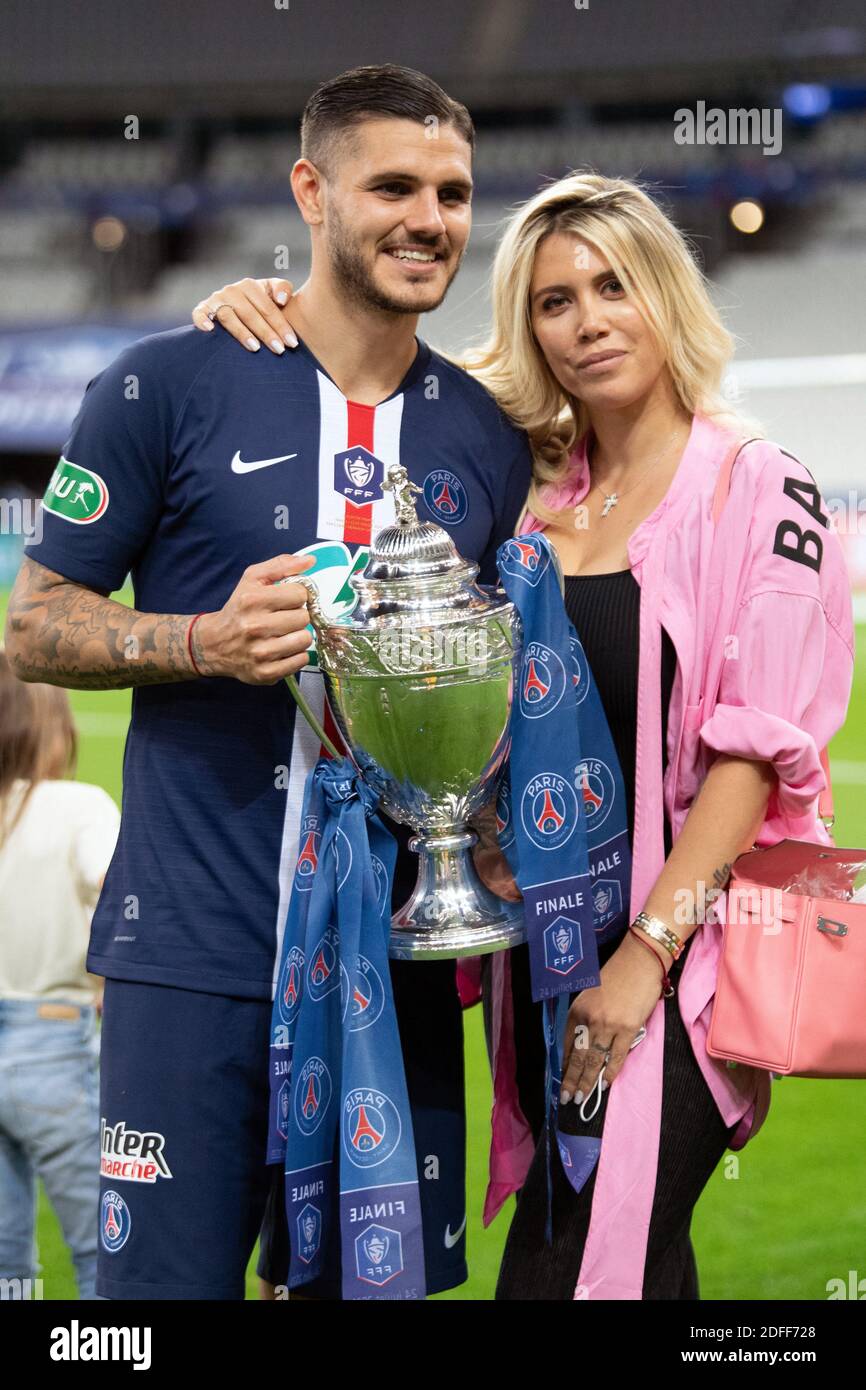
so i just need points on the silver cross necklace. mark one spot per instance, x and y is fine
(611, 498)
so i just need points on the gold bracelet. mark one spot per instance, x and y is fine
(660, 932)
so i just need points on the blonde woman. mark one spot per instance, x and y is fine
(56, 839)
(721, 640)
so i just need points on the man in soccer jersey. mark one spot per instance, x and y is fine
(209, 473)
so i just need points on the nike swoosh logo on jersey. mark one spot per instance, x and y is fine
(451, 1241)
(240, 466)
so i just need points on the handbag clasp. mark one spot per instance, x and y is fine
(825, 924)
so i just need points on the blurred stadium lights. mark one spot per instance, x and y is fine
(104, 238)
(747, 216)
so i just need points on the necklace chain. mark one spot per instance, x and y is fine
(612, 498)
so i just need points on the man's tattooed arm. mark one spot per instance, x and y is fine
(66, 634)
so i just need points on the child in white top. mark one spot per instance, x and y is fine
(56, 841)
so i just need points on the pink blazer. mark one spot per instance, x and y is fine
(764, 640)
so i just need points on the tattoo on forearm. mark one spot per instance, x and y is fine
(721, 875)
(74, 637)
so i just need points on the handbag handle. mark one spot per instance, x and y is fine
(720, 497)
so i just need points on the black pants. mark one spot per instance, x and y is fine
(693, 1139)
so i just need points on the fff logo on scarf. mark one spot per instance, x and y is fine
(595, 780)
(563, 947)
(308, 859)
(357, 475)
(283, 1103)
(378, 1255)
(544, 681)
(549, 810)
(371, 1127)
(524, 559)
(289, 993)
(312, 1095)
(309, 1233)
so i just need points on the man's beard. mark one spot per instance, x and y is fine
(355, 279)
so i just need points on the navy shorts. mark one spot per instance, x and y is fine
(184, 1092)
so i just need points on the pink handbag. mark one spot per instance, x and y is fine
(789, 993)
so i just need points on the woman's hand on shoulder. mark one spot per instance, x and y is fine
(251, 311)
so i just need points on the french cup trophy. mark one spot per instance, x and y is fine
(420, 678)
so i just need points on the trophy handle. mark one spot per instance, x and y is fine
(319, 621)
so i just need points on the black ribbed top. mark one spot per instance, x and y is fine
(605, 611)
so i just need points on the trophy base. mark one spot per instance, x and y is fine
(451, 913)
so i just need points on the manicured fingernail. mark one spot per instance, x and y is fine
(604, 1085)
(282, 297)
(564, 1097)
(253, 345)
(291, 339)
(276, 345)
(578, 1098)
(208, 325)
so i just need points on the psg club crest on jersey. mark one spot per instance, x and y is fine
(312, 1095)
(283, 1102)
(563, 948)
(446, 496)
(364, 995)
(549, 810)
(358, 475)
(378, 1255)
(309, 1232)
(606, 900)
(543, 681)
(115, 1221)
(371, 1127)
(595, 780)
(579, 671)
(291, 983)
(525, 559)
(308, 855)
(323, 969)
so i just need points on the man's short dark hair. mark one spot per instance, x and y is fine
(369, 92)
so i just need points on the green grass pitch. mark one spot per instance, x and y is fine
(777, 1220)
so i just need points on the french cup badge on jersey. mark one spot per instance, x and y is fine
(348, 1086)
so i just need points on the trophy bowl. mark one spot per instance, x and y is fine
(420, 679)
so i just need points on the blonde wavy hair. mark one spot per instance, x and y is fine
(657, 267)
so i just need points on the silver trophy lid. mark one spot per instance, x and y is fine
(414, 565)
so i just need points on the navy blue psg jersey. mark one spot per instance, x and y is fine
(190, 459)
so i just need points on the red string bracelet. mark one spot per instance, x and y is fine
(192, 624)
(667, 987)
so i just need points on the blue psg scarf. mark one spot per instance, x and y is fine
(561, 814)
(339, 1108)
